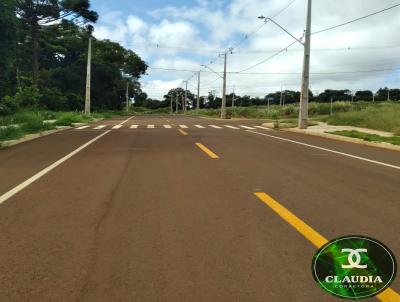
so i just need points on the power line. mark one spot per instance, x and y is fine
(355, 20)
(320, 31)
(269, 58)
(283, 73)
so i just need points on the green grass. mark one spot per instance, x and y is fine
(281, 112)
(69, 118)
(395, 140)
(27, 122)
(384, 116)
(10, 133)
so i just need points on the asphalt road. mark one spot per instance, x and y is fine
(168, 213)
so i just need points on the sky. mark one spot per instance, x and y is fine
(183, 35)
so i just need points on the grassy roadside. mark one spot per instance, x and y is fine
(384, 116)
(394, 140)
(379, 116)
(18, 125)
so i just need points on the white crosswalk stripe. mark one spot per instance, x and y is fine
(247, 127)
(83, 127)
(151, 126)
(264, 128)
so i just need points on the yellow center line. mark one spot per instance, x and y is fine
(207, 151)
(183, 132)
(313, 236)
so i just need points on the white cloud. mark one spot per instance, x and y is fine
(209, 25)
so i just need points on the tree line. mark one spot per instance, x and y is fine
(43, 55)
(276, 98)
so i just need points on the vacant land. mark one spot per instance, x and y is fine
(380, 116)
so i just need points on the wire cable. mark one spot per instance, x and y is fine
(355, 20)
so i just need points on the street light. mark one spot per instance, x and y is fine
(127, 77)
(303, 112)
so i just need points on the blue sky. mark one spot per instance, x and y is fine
(191, 33)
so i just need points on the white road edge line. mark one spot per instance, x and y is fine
(127, 120)
(38, 175)
(329, 150)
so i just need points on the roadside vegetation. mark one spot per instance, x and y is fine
(383, 116)
(19, 124)
(394, 140)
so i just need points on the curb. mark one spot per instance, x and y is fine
(358, 141)
(30, 137)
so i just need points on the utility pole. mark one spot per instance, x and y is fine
(127, 96)
(198, 91)
(388, 98)
(331, 105)
(184, 102)
(223, 105)
(88, 75)
(280, 101)
(303, 116)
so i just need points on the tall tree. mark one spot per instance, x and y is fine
(36, 13)
(7, 47)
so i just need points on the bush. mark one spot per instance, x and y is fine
(8, 106)
(27, 97)
(53, 99)
(10, 133)
(68, 118)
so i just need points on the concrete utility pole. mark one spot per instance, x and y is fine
(331, 105)
(223, 105)
(184, 102)
(88, 75)
(198, 91)
(127, 96)
(303, 116)
(388, 99)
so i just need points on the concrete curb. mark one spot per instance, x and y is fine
(30, 137)
(380, 145)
